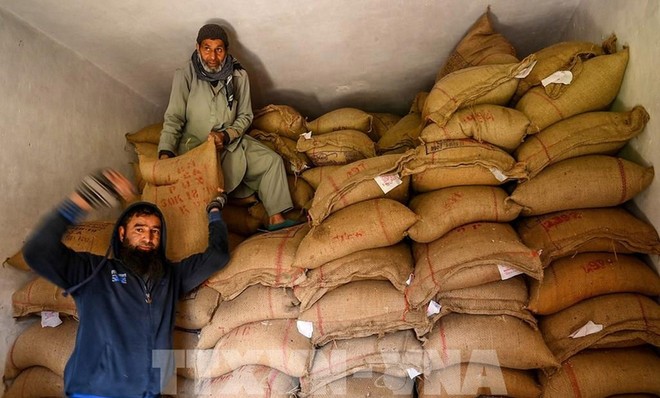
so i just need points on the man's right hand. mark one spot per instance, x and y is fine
(219, 138)
(164, 156)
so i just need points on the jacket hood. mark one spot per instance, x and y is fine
(115, 243)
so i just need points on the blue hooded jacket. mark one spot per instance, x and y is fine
(124, 341)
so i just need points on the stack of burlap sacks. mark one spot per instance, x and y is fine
(480, 244)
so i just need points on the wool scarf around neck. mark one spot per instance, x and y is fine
(226, 74)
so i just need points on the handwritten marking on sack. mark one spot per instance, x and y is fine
(552, 222)
(357, 169)
(479, 117)
(595, 265)
(348, 236)
(452, 200)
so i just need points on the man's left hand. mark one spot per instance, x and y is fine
(219, 138)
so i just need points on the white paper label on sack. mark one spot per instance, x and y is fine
(50, 319)
(433, 308)
(525, 72)
(409, 280)
(498, 174)
(559, 77)
(412, 372)
(307, 135)
(306, 328)
(388, 182)
(507, 272)
(587, 329)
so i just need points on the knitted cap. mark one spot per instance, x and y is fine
(213, 32)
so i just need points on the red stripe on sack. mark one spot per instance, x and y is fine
(319, 319)
(545, 148)
(279, 255)
(285, 357)
(570, 373)
(493, 191)
(388, 238)
(443, 341)
(549, 101)
(428, 261)
(624, 181)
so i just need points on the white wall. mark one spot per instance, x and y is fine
(636, 25)
(60, 117)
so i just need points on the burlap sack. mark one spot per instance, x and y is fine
(481, 45)
(144, 150)
(507, 297)
(40, 295)
(403, 135)
(337, 147)
(498, 125)
(182, 187)
(356, 182)
(569, 280)
(442, 210)
(381, 122)
(392, 263)
(586, 134)
(594, 89)
(584, 182)
(264, 258)
(240, 220)
(88, 236)
(471, 255)
(360, 309)
(246, 381)
(605, 373)
(491, 340)
(256, 303)
(364, 225)
(295, 162)
(280, 119)
(486, 84)
(366, 384)
(195, 310)
(394, 354)
(570, 232)
(449, 163)
(315, 175)
(625, 319)
(341, 119)
(417, 105)
(147, 135)
(301, 192)
(275, 343)
(47, 347)
(477, 380)
(563, 56)
(36, 382)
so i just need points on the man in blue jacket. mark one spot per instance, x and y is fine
(126, 299)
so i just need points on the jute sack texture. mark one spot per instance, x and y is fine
(365, 225)
(381, 122)
(254, 304)
(195, 310)
(46, 347)
(342, 119)
(367, 384)
(594, 89)
(41, 295)
(626, 319)
(265, 259)
(392, 354)
(315, 175)
(449, 163)
(276, 344)
(36, 381)
(393, 263)
(468, 256)
(589, 181)
(301, 192)
(294, 161)
(604, 373)
(355, 182)
(360, 309)
(417, 105)
(148, 135)
(337, 147)
(282, 120)
(246, 381)
(486, 84)
(498, 125)
(492, 340)
(475, 380)
(562, 56)
(571, 279)
(506, 297)
(402, 136)
(88, 236)
(569, 232)
(182, 187)
(585, 134)
(444, 209)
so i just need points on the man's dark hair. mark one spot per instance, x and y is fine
(139, 210)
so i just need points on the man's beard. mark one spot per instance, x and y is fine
(147, 264)
(207, 68)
